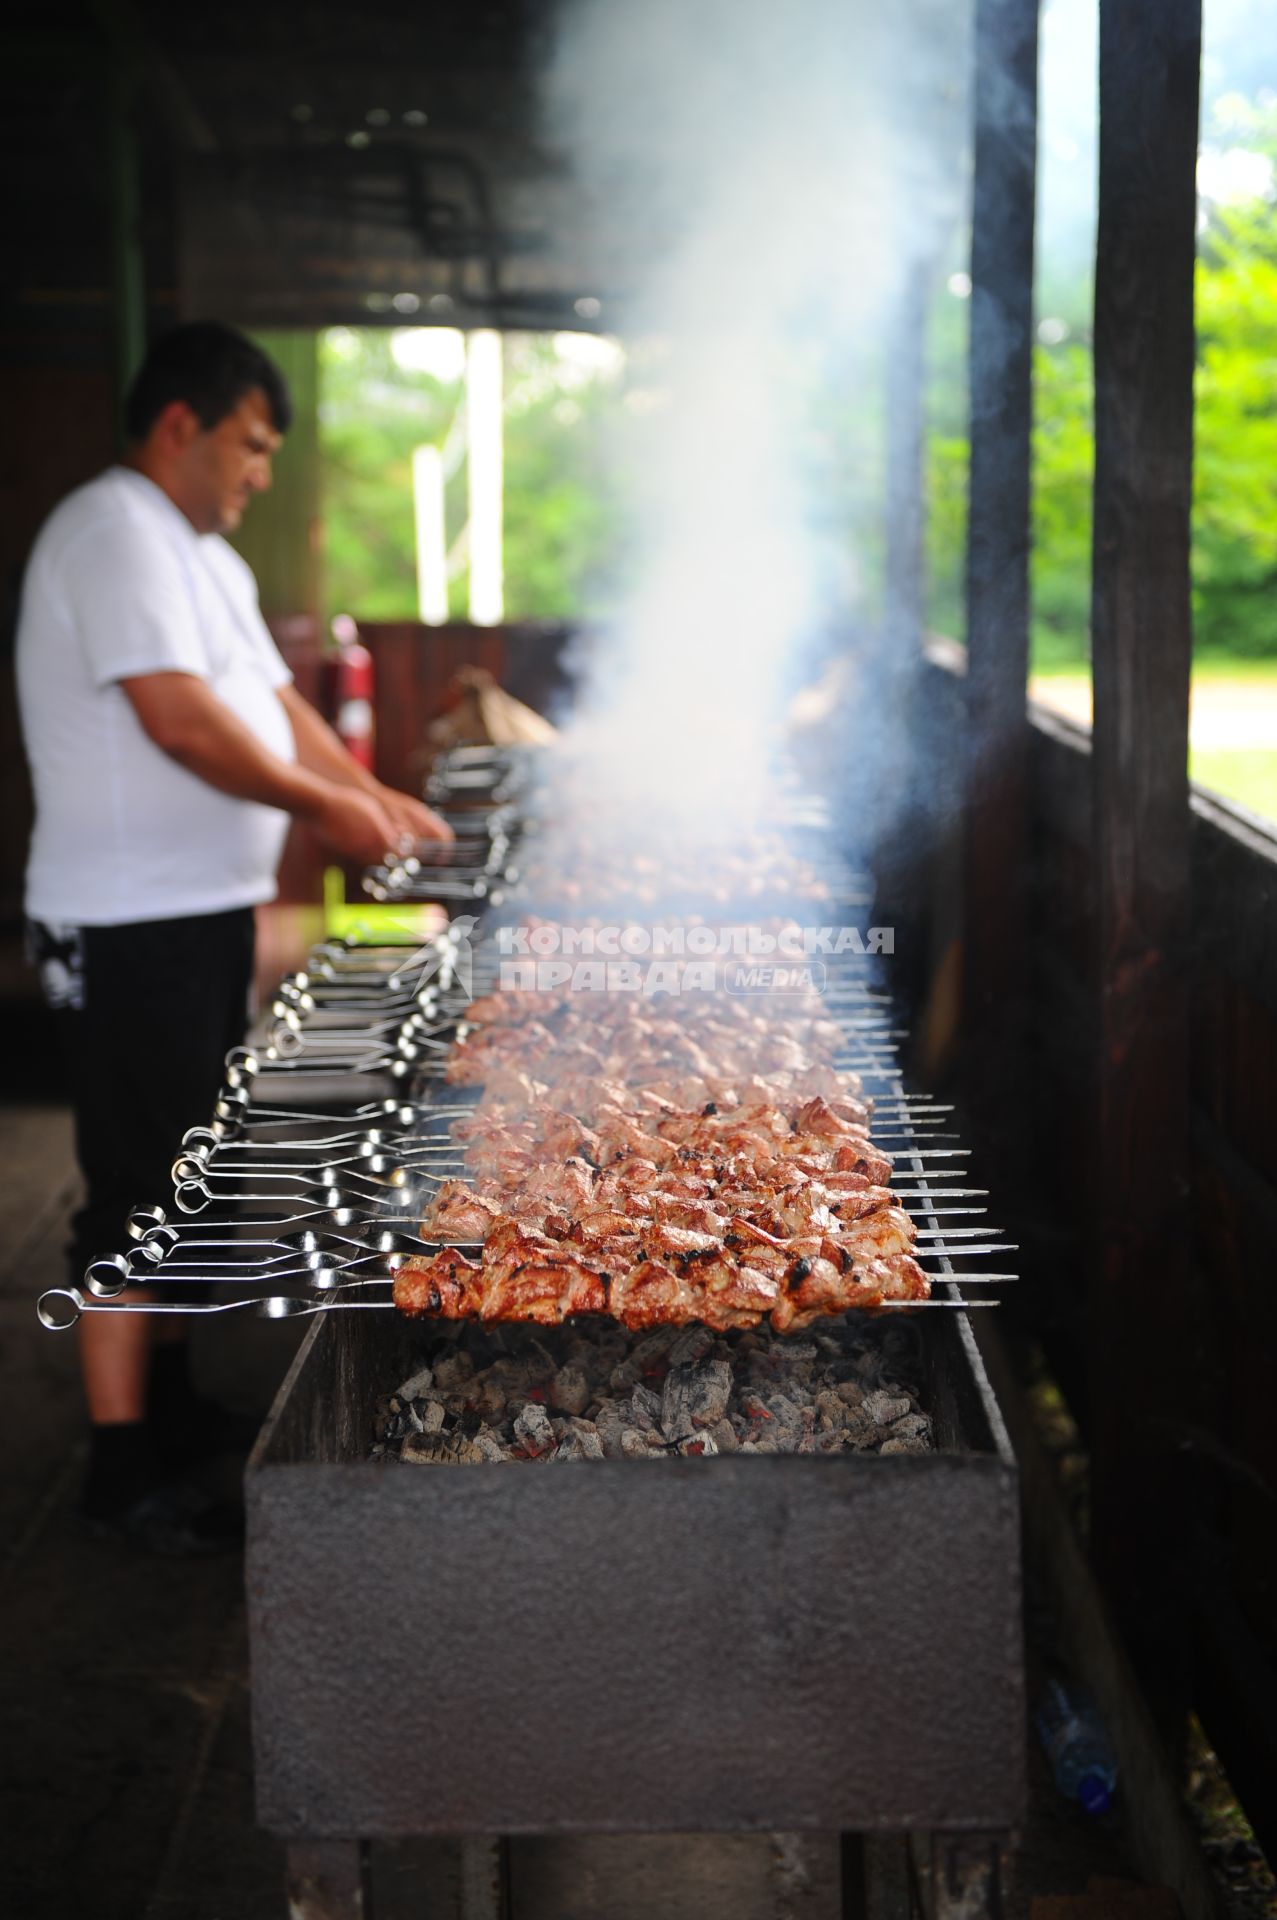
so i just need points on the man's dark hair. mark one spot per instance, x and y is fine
(211, 368)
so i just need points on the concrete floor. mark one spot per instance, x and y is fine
(125, 1768)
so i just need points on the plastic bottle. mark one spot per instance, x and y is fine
(1077, 1747)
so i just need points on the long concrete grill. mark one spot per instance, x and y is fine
(813, 1640)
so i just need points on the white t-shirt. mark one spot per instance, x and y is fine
(119, 583)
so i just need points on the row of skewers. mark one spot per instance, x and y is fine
(535, 1155)
(707, 1164)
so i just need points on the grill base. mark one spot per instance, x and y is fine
(785, 1642)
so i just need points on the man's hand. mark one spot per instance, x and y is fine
(319, 749)
(412, 820)
(355, 824)
(186, 720)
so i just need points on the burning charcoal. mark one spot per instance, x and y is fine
(453, 1372)
(697, 1443)
(644, 1409)
(635, 1447)
(755, 1409)
(439, 1449)
(430, 1413)
(541, 1366)
(579, 1444)
(570, 1392)
(883, 1407)
(610, 1422)
(783, 1410)
(532, 1429)
(652, 1352)
(624, 1377)
(490, 1402)
(723, 1434)
(693, 1344)
(702, 1395)
(676, 1409)
(763, 1368)
(487, 1448)
(796, 1361)
(515, 1379)
(417, 1385)
(830, 1410)
(796, 1352)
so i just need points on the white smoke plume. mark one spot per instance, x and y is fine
(771, 169)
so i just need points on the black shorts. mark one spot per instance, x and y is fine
(146, 1014)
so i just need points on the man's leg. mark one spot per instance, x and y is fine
(145, 1046)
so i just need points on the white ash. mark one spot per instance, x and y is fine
(592, 1391)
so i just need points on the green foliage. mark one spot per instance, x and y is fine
(560, 518)
(565, 517)
(1063, 457)
(947, 457)
(371, 416)
(1235, 491)
(1235, 481)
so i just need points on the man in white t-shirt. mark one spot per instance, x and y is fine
(168, 748)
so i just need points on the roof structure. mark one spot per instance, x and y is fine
(304, 163)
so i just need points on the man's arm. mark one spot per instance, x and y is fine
(319, 748)
(186, 720)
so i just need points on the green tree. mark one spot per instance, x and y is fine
(371, 415)
(1235, 481)
(561, 515)
(1235, 490)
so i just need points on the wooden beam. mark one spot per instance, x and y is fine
(128, 266)
(1144, 1360)
(128, 36)
(997, 577)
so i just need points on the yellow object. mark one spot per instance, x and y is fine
(370, 924)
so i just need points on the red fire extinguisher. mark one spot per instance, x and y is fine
(353, 691)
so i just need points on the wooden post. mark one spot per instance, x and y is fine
(1144, 1370)
(997, 583)
(128, 272)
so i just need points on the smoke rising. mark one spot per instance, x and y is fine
(774, 176)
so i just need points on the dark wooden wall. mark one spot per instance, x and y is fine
(1220, 1550)
(415, 666)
